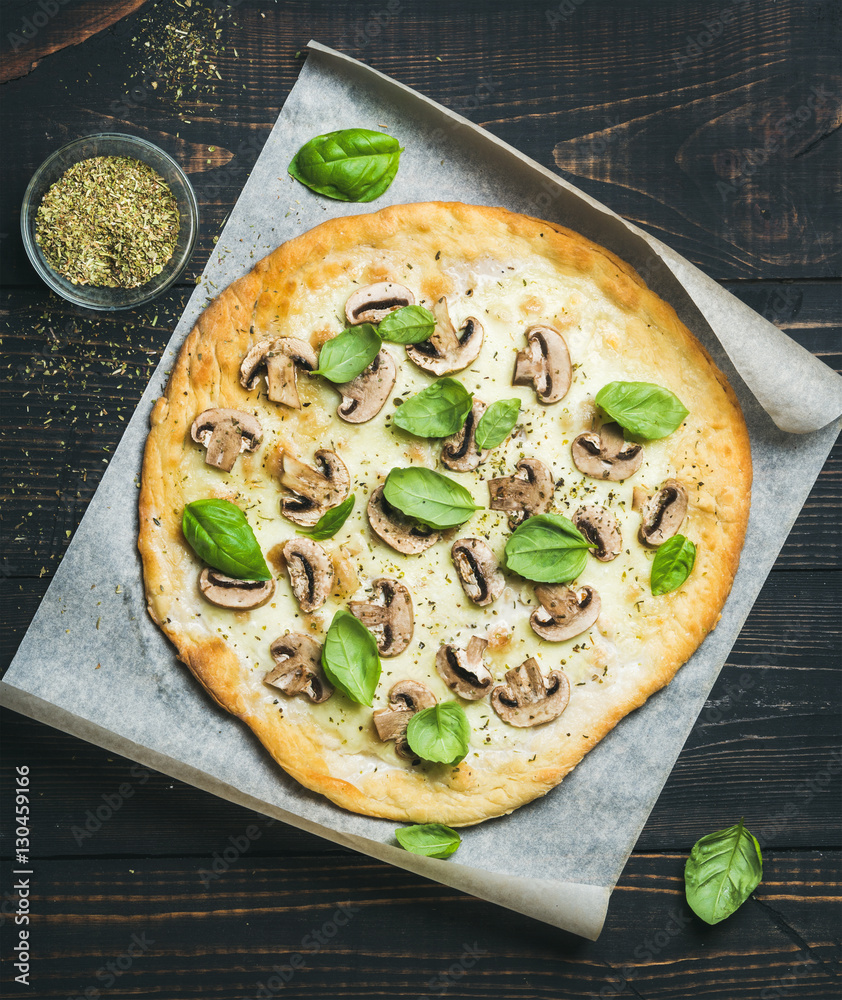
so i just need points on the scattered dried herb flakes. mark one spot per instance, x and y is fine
(183, 51)
(108, 221)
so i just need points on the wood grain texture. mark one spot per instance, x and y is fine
(71, 381)
(760, 748)
(34, 31)
(710, 150)
(352, 932)
(715, 127)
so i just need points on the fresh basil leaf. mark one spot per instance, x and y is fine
(440, 734)
(350, 658)
(437, 411)
(407, 325)
(547, 548)
(433, 840)
(672, 564)
(495, 424)
(349, 353)
(428, 497)
(351, 164)
(219, 534)
(642, 408)
(723, 870)
(331, 521)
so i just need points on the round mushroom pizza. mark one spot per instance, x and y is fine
(434, 497)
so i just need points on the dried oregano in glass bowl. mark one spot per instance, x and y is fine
(109, 221)
(112, 238)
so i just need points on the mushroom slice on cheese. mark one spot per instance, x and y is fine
(478, 570)
(662, 514)
(279, 361)
(390, 617)
(565, 611)
(405, 699)
(374, 302)
(233, 593)
(310, 572)
(225, 434)
(365, 396)
(298, 667)
(315, 490)
(527, 698)
(459, 451)
(447, 350)
(605, 454)
(396, 530)
(463, 670)
(601, 529)
(544, 364)
(529, 491)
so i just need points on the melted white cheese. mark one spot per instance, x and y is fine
(507, 298)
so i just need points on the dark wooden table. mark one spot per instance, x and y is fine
(714, 126)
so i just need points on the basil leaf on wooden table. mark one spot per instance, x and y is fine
(642, 408)
(440, 734)
(547, 548)
(723, 870)
(219, 534)
(349, 353)
(331, 521)
(351, 164)
(350, 658)
(437, 411)
(429, 497)
(672, 564)
(407, 325)
(433, 840)
(497, 421)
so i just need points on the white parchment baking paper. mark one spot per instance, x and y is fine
(112, 678)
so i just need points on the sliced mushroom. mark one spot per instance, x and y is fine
(315, 491)
(545, 364)
(298, 667)
(459, 451)
(565, 611)
(310, 572)
(374, 302)
(529, 699)
(278, 360)
(447, 351)
(395, 529)
(529, 491)
(661, 515)
(601, 529)
(392, 620)
(405, 699)
(606, 454)
(365, 396)
(463, 671)
(226, 433)
(229, 592)
(481, 580)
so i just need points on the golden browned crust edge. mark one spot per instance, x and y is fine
(453, 795)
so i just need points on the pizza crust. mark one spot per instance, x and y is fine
(615, 327)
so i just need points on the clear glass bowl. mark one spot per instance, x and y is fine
(111, 144)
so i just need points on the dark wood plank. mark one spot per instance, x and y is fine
(37, 30)
(727, 150)
(761, 748)
(71, 381)
(365, 930)
(717, 129)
